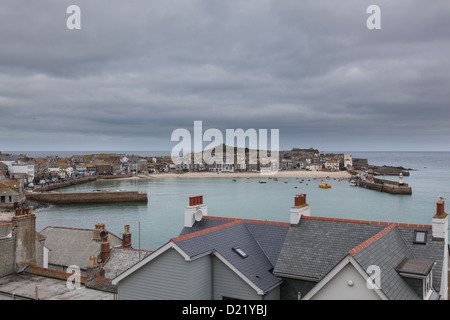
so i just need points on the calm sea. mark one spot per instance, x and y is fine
(154, 223)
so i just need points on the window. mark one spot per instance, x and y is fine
(420, 237)
(427, 285)
(240, 252)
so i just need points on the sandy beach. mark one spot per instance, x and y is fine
(279, 174)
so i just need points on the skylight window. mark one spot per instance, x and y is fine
(240, 252)
(420, 237)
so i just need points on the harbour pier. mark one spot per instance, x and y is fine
(87, 197)
(384, 185)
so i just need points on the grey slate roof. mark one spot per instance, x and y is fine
(121, 259)
(203, 224)
(260, 241)
(432, 250)
(69, 246)
(313, 247)
(5, 229)
(387, 253)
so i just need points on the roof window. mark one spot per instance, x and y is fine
(420, 237)
(240, 252)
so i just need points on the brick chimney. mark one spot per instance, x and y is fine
(440, 223)
(196, 205)
(104, 249)
(126, 238)
(300, 208)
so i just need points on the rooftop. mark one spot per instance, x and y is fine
(24, 285)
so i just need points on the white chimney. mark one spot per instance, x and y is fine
(439, 228)
(440, 223)
(195, 211)
(300, 208)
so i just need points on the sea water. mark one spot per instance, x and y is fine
(152, 224)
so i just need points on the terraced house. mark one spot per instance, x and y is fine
(12, 194)
(307, 258)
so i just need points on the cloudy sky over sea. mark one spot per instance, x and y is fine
(139, 69)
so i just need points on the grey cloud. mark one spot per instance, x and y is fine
(139, 69)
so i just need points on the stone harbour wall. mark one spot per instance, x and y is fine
(88, 197)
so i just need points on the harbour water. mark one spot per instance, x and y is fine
(154, 223)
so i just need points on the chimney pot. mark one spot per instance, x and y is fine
(126, 238)
(194, 201)
(440, 209)
(104, 251)
(300, 208)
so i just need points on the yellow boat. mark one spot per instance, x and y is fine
(324, 185)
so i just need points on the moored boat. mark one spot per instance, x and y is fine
(324, 185)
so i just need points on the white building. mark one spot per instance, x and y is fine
(314, 167)
(332, 165)
(348, 161)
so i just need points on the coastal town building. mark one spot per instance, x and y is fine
(12, 194)
(309, 258)
(314, 166)
(332, 165)
(39, 265)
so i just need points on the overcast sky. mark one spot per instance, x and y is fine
(138, 69)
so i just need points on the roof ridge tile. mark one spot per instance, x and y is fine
(373, 238)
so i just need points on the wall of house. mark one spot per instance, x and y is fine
(25, 240)
(228, 284)
(199, 281)
(169, 277)
(338, 289)
(7, 256)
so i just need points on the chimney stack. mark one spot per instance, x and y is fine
(300, 208)
(104, 249)
(440, 222)
(99, 228)
(94, 269)
(24, 224)
(195, 204)
(126, 238)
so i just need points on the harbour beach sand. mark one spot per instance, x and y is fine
(279, 174)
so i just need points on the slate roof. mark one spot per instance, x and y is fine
(316, 245)
(71, 246)
(5, 229)
(120, 259)
(260, 240)
(390, 250)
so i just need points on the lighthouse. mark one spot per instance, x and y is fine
(400, 178)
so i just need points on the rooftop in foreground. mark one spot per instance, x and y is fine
(24, 286)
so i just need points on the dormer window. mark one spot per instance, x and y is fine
(420, 237)
(419, 275)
